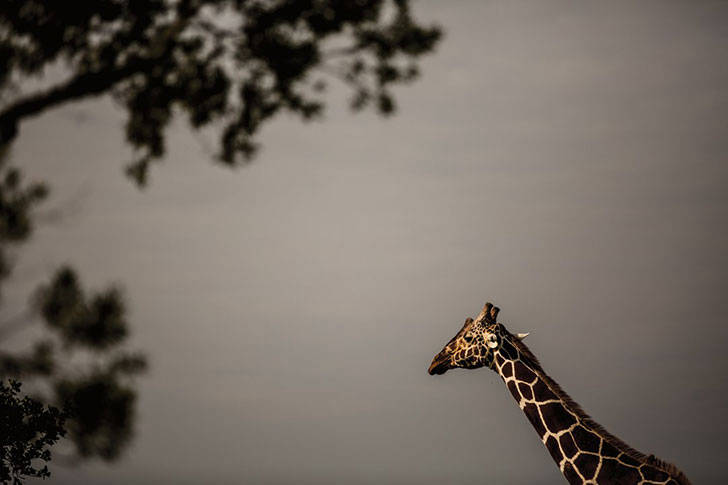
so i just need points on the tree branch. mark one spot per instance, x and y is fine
(81, 86)
(90, 83)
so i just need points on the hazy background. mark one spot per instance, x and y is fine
(564, 160)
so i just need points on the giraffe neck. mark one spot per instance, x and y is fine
(584, 452)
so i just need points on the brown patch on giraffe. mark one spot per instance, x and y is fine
(614, 472)
(571, 475)
(609, 451)
(514, 390)
(525, 390)
(627, 460)
(587, 464)
(508, 350)
(533, 416)
(556, 416)
(553, 447)
(523, 373)
(507, 370)
(568, 445)
(541, 392)
(586, 440)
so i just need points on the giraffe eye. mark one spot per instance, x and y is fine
(492, 341)
(468, 337)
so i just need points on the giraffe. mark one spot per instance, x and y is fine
(584, 451)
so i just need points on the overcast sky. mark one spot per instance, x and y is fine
(567, 161)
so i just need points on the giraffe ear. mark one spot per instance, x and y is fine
(521, 336)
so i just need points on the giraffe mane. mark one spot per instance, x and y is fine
(652, 460)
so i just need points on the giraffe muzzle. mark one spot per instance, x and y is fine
(440, 364)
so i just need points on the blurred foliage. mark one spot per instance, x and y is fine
(27, 431)
(231, 64)
(79, 364)
(103, 410)
(97, 322)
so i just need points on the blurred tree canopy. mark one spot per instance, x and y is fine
(233, 64)
(227, 65)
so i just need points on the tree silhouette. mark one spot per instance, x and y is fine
(230, 65)
(27, 430)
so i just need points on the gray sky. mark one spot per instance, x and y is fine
(564, 160)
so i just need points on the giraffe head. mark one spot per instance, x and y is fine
(475, 344)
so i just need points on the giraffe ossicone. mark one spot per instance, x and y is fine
(583, 450)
